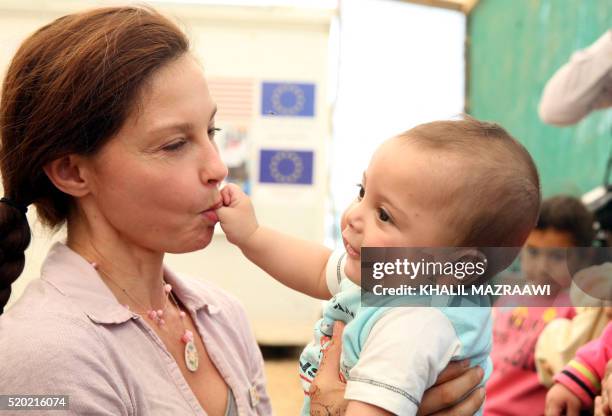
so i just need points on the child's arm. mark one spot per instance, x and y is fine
(561, 401)
(583, 375)
(562, 337)
(296, 263)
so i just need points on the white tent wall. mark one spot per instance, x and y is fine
(400, 65)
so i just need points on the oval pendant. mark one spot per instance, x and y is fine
(191, 356)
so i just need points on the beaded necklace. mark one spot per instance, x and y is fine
(157, 316)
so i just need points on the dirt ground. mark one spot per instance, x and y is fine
(282, 378)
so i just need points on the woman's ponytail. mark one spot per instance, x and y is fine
(15, 237)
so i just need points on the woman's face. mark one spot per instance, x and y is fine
(156, 181)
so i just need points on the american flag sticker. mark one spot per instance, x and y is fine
(234, 98)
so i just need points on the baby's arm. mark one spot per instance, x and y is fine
(296, 263)
(402, 357)
(365, 409)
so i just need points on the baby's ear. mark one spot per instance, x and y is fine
(471, 254)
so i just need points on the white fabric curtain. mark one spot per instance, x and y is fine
(398, 65)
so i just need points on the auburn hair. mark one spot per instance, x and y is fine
(69, 88)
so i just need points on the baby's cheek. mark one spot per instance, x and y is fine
(385, 240)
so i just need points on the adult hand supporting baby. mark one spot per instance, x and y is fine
(446, 397)
(327, 390)
(455, 382)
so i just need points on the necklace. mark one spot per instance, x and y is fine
(191, 352)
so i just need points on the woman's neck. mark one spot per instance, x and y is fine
(122, 264)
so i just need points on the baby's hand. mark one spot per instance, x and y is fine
(237, 216)
(561, 401)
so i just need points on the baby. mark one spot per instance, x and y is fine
(462, 183)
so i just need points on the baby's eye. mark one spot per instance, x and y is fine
(361, 191)
(383, 216)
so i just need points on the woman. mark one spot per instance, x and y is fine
(107, 126)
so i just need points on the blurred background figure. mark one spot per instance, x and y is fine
(514, 387)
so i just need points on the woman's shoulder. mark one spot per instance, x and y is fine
(43, 321)
(58, 352)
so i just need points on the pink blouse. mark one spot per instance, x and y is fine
(68, 335)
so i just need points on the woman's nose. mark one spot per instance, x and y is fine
(213, 170)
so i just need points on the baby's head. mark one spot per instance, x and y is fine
(456, 183)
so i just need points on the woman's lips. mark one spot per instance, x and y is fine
(350, 250)
(211, 213)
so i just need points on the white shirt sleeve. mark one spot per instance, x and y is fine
(401, 358)
(334, 271)
(580, 86)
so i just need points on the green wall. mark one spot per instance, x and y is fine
(514, 47)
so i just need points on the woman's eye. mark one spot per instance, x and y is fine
(383, 216)
(213, 131)
(361, 191)
(175, 146)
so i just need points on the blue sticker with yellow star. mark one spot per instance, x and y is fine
(289, 167)
(287, 99)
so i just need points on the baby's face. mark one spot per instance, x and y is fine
(396, 205)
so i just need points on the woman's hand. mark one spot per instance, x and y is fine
(455, 382)
(237, 216)
(445, 397)
(327, 390)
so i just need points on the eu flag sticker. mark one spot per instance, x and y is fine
(286, 167)
(287, 99)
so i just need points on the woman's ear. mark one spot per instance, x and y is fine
(67, 174)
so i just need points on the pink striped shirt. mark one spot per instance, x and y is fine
(68, 335)
(583, 374)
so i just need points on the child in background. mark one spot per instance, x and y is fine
(580, 381)
(514, 387)
(460, 183)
